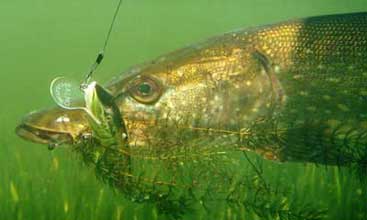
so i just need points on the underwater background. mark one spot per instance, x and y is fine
(43, 39)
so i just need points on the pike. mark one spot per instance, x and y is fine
(291, 91)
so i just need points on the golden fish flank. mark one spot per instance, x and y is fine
(280, 83)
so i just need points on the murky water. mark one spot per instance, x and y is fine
(43, 39)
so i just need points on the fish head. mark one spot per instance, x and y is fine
(53, 126)
(201, 89)
(216, 88)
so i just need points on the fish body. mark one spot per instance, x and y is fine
(291, 91)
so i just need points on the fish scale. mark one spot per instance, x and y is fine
(324, 57)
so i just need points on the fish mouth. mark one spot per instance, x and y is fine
(41, 136)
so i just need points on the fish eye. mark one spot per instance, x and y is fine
(145, 90)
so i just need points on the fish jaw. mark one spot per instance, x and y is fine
(53, 127)
(42, 136)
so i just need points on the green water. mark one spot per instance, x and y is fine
(42, 39)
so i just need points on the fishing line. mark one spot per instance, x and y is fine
(101, 54)
(67, 92)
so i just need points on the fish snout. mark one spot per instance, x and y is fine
(54, 126)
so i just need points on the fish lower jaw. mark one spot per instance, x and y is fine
(39, 136)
